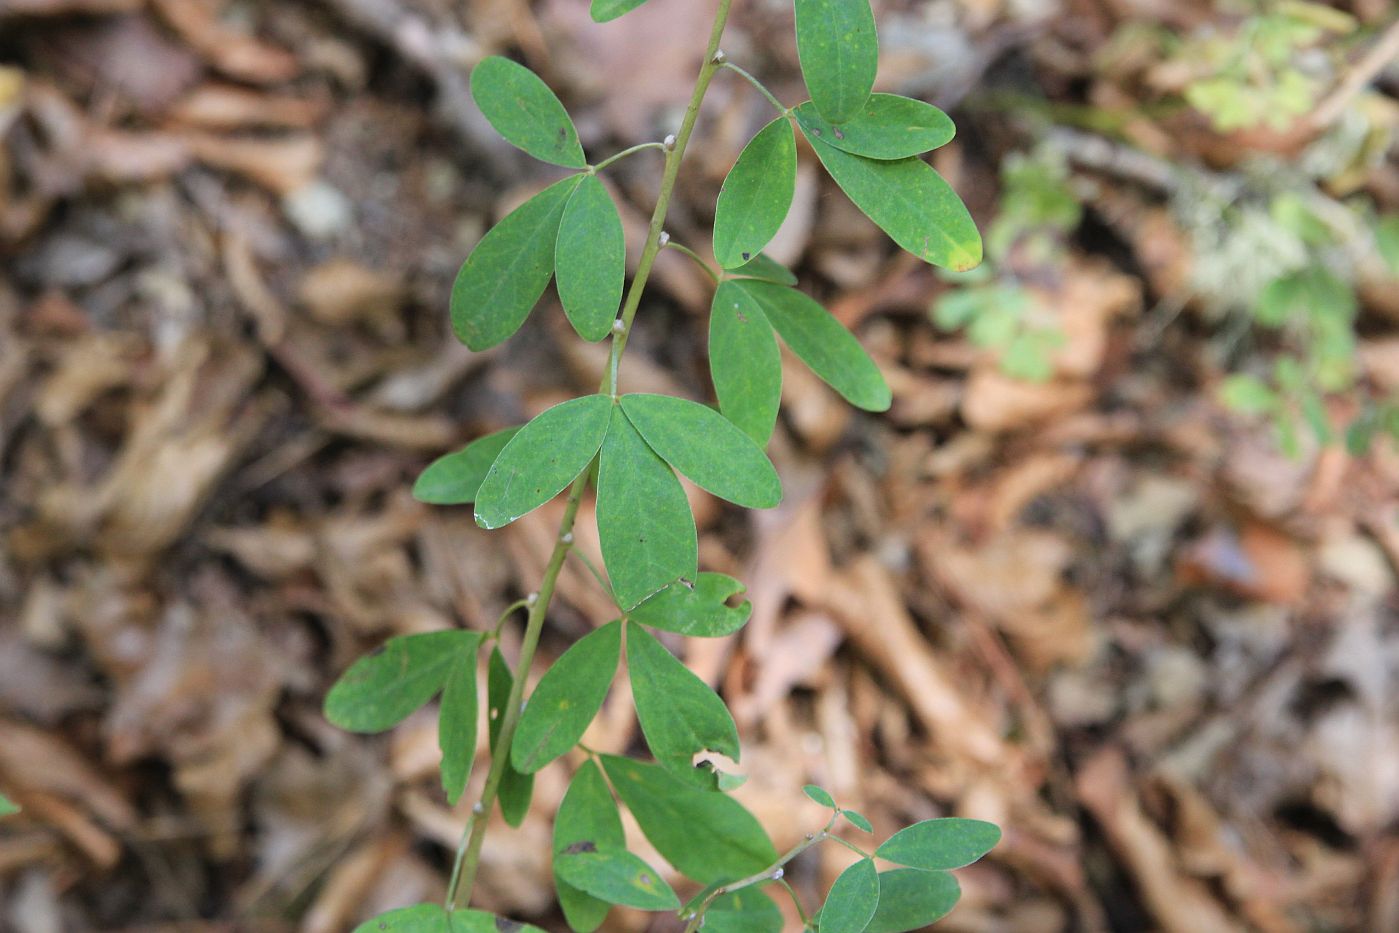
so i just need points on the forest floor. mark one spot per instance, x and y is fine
(1102, 610)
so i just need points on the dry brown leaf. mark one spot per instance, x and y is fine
(995, 402)
(235, 53)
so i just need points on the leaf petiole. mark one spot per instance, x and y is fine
(762, 88)
(699, 260)
(617, 157)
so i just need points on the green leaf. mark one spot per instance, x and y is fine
(1387, 241)
(746, 910)
(819, 795)
(910, 899)
(590, 260)
(566, 699)
(744, 362)
(858, 820)
(706, 835)
(420, 918)
(479, 921)
(454, 478)
(644, 523)
(852, 899)
(614, 875)
(1248, 394)
(699, 609)
(886, 127)
(522, 109)
(680, 715)
(911, 202)
(502, 279)
(7, 806)
(766, 268)
(605, 10)
(940, 845)
(516, 789)
(838, 47)
(706, 447)
(542, 459)
(457, 720)
(823, 343)
(756, 195)
(588, 814)
(385, 687)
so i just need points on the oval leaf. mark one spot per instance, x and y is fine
(616, 876)
(910, 899)
(516, 789)
(744, 362)
(700, 609)
(746, 910)
(852, 899)
(420, 918)
(706, 447)
(838, 47)
(479, 921)
(680, 715)
(886, 127)
(706, 835)
(940, 845)
(822, 343)
(819, 795)
(542, 459)
(587, 814)
(644, 523)
(590, 260)
(457, 720)
(756, 195)
(606, 10)
(908, 200)
(454, 479)
(764, 267)
(521, 107)
(383, 688)
(502, 279)
(858, 820)
(567, 698)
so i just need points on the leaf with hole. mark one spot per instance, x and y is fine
(503, 278)
(587, 814)
(910, 201)
(822, 343)
(707, 448)
(453, 479)
(756, 195)
(457, 720)
(706, 835)
(766, 268)
(526, 112)
(385, 687)
(852, 900)
(940, 845)
(606, 10)
(700, 609)
(614, 875)
(910, 899)
(680, 714)
(838, 48)
(744, 362)
(516, 789)
(644, 523)
(590, 260)
(542, 459)
(566, 699)
(886, 127)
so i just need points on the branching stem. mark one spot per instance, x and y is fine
(699, 260)
(762, 88)
(624, 153)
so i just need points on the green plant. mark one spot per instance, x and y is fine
(629, 447)
(6, 806)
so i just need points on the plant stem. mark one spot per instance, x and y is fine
(469, 856)
(699, 260)
(624, 153)
(762, 88)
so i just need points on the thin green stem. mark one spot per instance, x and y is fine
(796, 902)
(597, 574)
(851, 846)
(468, 858)
(624, 153)
(505, 616)
(699, 260)
(762, 88)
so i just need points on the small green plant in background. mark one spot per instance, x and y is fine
(629, 448)
(6, 806)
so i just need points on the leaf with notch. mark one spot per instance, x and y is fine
(756, 195)
(566, 699)
(526, 112)
(699, 609)
(940, 845)
(680, 714)
(542, 459)
(744, 362)
(587, 814)
(822, 343)
(852, 900)
(503, 278)
(887, 127)
(606, 10)
(385, 687)
(590, 260)
(644, 523)
(706, 835)
(706, 447)
(766, 268)
(457, 720)
(516, 789)
(910, 201)
(838, 48)
(453, 479)
(614, 875)
(910, 899)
